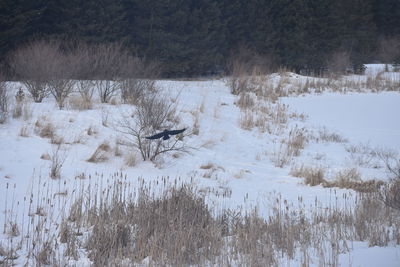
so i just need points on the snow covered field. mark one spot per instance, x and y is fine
(239, 167)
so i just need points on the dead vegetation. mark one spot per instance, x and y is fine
(44, 128)
(125, 224)
(178, 228)
(344, 179)
(101, 153)
(3, 101)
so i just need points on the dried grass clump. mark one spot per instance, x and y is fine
(246, 100)
(176, 229)
(290, 147)
(296, 141)
(246, 120)
(101, 153)
(312, 175)
(57, 159)
(3, 101)
(207, 166)
(44, 129)
(131, 159)
(79, 103)
(326, 136)
(351, 179)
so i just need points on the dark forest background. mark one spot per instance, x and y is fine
(199, 37)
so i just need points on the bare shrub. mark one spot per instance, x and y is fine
(33, 64)
(3, 101)
(153, 113)
(57, 158)
(141, 80)
(312, 175)
(132, 90)
(245, 68)
(60, 81)
(101, 153)
(109, 63)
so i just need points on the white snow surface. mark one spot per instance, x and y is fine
(241, 157)
(367, 118)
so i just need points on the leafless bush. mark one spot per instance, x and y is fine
(60, 82)
(33, 64)
(132, 90)
(109, 63)
(246, 68)
(100, 154)
(153, 113)
(141, 80)
(3, 101)
(86, 89)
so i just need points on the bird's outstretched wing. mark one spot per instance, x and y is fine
(156, 136)
(176, 131)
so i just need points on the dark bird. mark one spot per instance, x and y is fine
(165, 134)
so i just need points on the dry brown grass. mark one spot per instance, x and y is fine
(79, 103)
(131, 159)
(289, 147)
(312, 175)
(101, 153)
(246, 100)
(176, 229)
(44, 128)
(326, 136)
(123, 223)
(57, 158)
(351, 179)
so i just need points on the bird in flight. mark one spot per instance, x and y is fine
(165, 134)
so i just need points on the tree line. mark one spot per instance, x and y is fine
(199, 37)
